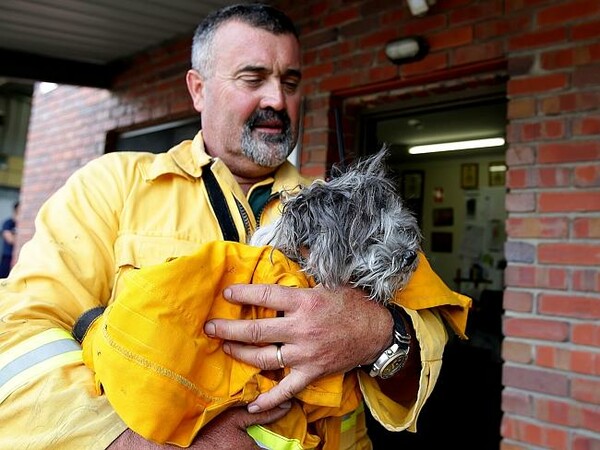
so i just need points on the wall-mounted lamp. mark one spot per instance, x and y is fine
(405, 50)
(419, 7)
(458, 145)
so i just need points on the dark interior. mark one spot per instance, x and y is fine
(464, 409)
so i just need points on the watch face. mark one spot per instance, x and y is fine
(394, 364)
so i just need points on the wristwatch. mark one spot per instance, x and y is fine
(393, 358)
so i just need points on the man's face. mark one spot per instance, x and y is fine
(251, 99)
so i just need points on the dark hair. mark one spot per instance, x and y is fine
(16, 205)
(257, 15)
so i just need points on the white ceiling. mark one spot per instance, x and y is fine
(37, 37)
(475, 113)
(475, 121)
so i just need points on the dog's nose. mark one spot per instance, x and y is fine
(408, 258)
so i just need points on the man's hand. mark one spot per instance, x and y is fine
(322, 332)
(228, 430)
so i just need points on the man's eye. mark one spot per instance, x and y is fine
(252, 81)
(291, 86)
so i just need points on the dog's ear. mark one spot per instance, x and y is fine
(288, 194)
(285, 196)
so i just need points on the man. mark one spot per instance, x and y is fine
(8, 241)
(134, 210)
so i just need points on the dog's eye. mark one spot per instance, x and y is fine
(408, 258)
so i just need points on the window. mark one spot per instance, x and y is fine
(154, 139)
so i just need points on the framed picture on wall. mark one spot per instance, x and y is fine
(469, 176)
(497, 173)
(412, 185)
(443, 217)
(441, 242)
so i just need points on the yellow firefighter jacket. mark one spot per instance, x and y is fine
(118, 212)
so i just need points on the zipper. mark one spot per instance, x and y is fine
(272, 197)
(245, 217)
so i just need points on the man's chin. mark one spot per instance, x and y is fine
(267, 156)
(269, 163)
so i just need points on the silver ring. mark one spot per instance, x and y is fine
(280, 357)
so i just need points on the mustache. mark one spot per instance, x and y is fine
(266, 115)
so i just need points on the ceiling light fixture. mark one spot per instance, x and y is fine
(458, 145)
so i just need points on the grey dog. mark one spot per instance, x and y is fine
(352, 229)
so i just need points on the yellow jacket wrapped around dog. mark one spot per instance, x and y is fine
(150, 353)
(143, 209)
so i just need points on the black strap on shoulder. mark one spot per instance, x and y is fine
(219, 205)
(85, 320)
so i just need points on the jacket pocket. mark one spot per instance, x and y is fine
(134, 251)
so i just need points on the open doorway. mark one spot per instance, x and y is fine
(458, 198)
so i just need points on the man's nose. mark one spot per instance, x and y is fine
(273, 96)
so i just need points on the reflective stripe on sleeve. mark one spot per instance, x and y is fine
(34, 356)
(268, 439)
(349, 420)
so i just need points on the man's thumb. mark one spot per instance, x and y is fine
(269, 416)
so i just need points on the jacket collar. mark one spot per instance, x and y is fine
(189, 157)
(186, 159)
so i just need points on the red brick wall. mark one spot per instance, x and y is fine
(551, 49)
(551, 350)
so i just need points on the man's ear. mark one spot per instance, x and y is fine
(195, 86)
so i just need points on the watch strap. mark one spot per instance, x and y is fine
(400, 326)
(82, 324)
(399, 349)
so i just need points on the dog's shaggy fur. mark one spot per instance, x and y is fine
(352, 229)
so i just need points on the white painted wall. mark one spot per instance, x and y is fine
(479, 238)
